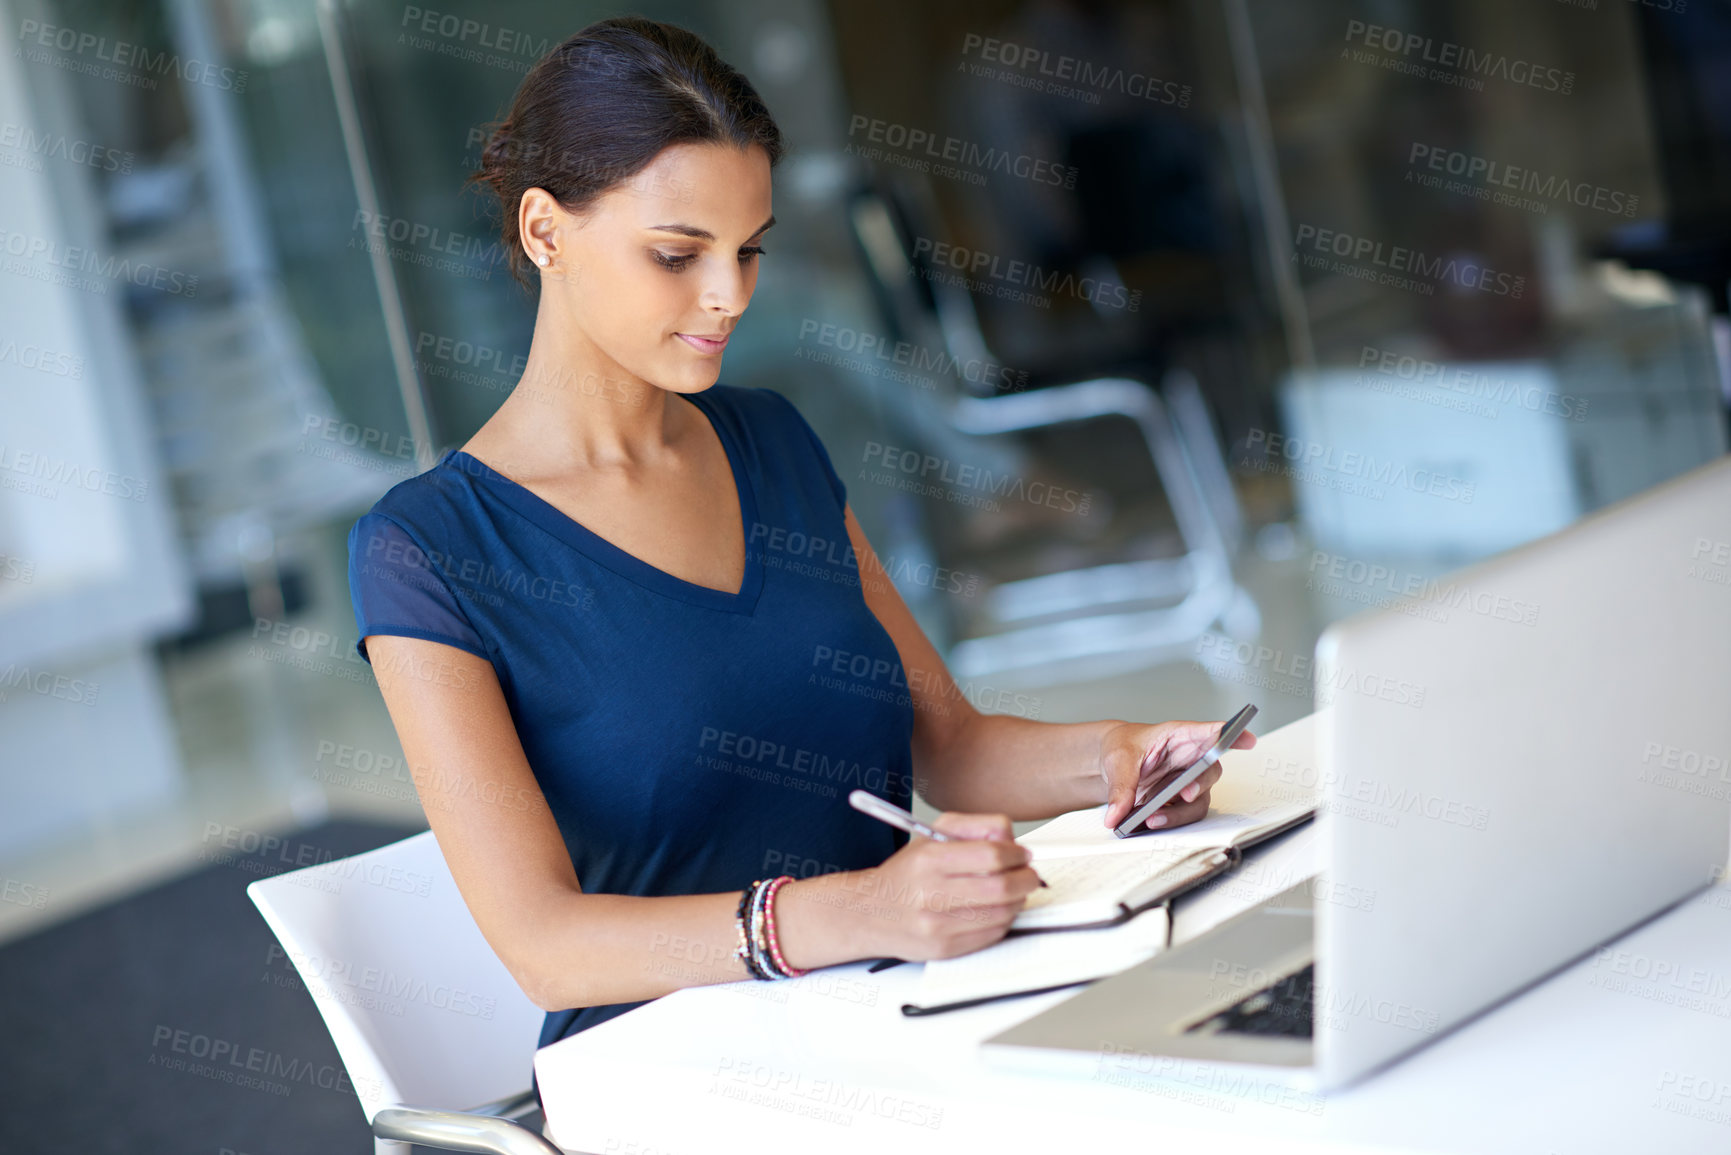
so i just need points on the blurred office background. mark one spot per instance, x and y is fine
(1149, 336)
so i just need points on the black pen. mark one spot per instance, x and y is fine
(868, 803)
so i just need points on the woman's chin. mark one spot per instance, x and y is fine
(697, 378)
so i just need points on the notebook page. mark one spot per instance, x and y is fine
(1030, 962)
(1083, 831)
(1087, 887)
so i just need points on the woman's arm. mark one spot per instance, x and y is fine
(1020, 767)
(566, 948)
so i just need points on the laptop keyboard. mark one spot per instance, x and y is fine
(1283, 1010)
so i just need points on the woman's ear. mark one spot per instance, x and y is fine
(538, 228)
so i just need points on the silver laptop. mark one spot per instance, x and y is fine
(1518, 766)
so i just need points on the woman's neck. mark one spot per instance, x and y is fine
(576, 410)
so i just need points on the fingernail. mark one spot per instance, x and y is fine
(1157, 820)
(1191, 791)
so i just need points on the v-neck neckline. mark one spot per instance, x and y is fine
(574, 533)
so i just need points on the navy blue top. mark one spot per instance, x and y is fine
(688, 740)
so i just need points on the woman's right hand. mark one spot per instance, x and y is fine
(941, 899)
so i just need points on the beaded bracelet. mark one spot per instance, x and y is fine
(774, 945)
(758, 946)
(754, 930)
(745, 951)
(751, 936)
(760, 930)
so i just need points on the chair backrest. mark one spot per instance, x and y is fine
(421, 1010)
(925, 304)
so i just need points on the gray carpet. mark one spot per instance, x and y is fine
(89, 1011)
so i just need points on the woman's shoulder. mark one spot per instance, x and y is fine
(431, 504)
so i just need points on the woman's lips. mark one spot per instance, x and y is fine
(704, 344)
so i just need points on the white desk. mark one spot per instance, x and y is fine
(1602, 1057)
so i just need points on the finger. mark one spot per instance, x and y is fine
(1181, 751)
(975, 886)
(960, 824)
(1182, 813)
(1192, 739)
(1206, 782)
(1121, 791)
(971, 909)
(974, 940)
(985, 913)
(980, 856)
(1168, 776)
(1011, 884)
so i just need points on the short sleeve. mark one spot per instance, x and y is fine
(396, 589)
(817, 447)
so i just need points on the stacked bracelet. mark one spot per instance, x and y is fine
(758, 947)
(743, 951)
(769, 927)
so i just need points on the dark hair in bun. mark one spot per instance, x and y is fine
(593, 112)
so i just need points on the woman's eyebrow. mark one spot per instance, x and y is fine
(703, 234)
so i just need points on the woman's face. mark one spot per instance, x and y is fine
(656, 275)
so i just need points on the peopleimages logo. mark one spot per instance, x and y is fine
(1453, 62)
(55, 146)
(1063, 75)
(418, 235)
(1411, 593)
(50, 361)
(48, 684)
(1471, 383)
(59, 471)
(142, 63)
(478, 33)
(1350, 471)
(916, 358)
(1487, 179)
(930, 146)
(1398, 260)
(909, 462)
(48, 255)
(979, 267)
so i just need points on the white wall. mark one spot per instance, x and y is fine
(89, 562)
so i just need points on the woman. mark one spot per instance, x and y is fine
(628, 686)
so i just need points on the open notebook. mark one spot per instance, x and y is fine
(1095, 878)
(1107, 895)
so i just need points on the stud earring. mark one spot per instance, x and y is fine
(541, 260)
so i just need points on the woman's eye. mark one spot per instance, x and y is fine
(677, 262)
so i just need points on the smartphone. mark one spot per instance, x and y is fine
(1228, 734)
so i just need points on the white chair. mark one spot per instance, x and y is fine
(423, 1013)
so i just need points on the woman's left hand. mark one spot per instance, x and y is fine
(1136, 759)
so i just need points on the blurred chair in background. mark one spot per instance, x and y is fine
(1061, 621)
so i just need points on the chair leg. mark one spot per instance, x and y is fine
(1195, 428)
(391, 1147)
